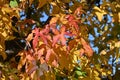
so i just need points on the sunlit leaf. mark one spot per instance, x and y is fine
(22, 60)
(103, 52)
(30, 37)
(53, 20)
(99, 13)
(87, 47)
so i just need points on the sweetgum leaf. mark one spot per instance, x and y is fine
(35, 40)
(87, 48)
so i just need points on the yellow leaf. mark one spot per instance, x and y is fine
(103, 52)
(6, 10)
(30, 37)
(63, 20)
(97, 8)
(77, 52)
(117, 44)
(22, 60)
(27, 78)
(5, 19)
(4, 34)
(99, 15)
(75, 59)
(58, 1)
(104, 74)
(54, 20)
(96, 73)
(53, 3)
(97, 78)
(109, 72)
(106, 28)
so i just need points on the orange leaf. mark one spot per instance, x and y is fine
(30, 37)
(54, 20)
(87, 48)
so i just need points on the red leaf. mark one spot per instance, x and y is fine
(35, 41)
(43, 34)
(60, 35)
(48, 55)
(73, 22)
(46, 30)
(55, 63)
(55, 39)
(63, 39)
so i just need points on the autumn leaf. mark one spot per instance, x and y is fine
(99, 13)
(64, 59)
(48, 54)
(31, 68)
(58, 48)
(35, 40)
(54, 20)
(22, 60)
(42, 3)
(88, 50)
(6, 9)
(41, 34)
(2, 47)
(60, 35)
(78, 12)
(51, 57)
(39, 53)
(30, 37)
(29, 21)
(72, 22)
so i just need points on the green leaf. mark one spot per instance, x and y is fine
(13, 3)
(79, 73)
(78, 68)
